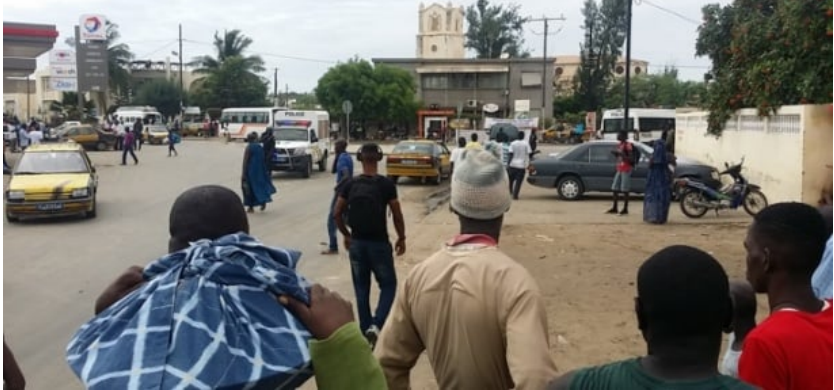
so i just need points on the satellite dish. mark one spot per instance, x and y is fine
(490, 108)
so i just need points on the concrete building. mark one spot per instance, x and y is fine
(146, 70)
(495, 86)
(440, 32)
(23, 43)
(566, 66)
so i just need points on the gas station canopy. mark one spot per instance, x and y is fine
(23, 43)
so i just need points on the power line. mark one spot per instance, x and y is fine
(157, 50)
(669, 11)
(265, 54)
(546, 20)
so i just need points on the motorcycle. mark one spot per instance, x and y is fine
(697, 198)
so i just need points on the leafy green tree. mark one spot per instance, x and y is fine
(230, 78)
(605, 27)
(230, 85)
(68, 107)
(765, 54)
(118, 59)
(380, 93)
(160, 93)
(657, 90)
(495, 30)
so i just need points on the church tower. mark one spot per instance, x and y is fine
(440, 34)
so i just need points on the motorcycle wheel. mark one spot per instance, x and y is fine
(754, 202)
(688, 206)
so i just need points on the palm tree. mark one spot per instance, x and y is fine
(118, 59)
(231, 44)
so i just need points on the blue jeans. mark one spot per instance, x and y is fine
(377, 258)
(331, 225)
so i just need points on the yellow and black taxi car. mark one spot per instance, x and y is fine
(427, 160)
(87, 136)
(155, 134)
(53, 179)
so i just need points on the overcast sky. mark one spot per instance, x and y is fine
(318, 33)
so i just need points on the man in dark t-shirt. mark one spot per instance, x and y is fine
(683, 304)
(365, 200)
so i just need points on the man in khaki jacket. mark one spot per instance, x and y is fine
(477, 313)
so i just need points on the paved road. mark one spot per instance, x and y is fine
(54, 270)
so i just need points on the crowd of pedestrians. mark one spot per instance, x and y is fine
(223, 310)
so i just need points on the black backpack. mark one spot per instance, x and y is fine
(365, 206)
(634, 156)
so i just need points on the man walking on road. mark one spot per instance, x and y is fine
(477, 313)
(365, 200)
(137, 133)
(520, 152)
(343, 169)
(127, 147)
(622, 179)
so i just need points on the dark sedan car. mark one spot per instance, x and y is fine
(590, 167)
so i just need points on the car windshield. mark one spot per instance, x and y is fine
(413, 147)
(290, 134)
(51, 162)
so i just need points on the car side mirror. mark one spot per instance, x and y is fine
(314, 139)
(93, 169)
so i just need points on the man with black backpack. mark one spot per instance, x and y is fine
(365, 200)
(627, 158)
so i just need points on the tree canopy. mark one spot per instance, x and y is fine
(657, 90)
(495, 30)
(230, 77)
(605, 28)
(381, 93)
(765, 54)
(160, 93)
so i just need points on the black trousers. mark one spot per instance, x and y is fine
(516, 176)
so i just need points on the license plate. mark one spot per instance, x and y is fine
(50, 206)
(409, 162)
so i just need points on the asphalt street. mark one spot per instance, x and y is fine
(55, 269)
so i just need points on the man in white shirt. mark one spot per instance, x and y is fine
(35, 136)
(519, 161)
(456, 152)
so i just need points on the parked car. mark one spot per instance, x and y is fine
(590, 167)
(53, 179)
(155, 134)
(423, 159)
(87, 136)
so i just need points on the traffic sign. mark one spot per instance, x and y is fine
(347, 107)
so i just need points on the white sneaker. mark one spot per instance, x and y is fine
(372, 334)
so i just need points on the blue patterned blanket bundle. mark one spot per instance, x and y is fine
(207, 318)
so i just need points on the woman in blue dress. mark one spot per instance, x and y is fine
(256, 178)
(658, 195)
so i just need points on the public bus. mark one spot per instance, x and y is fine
(647, 124)
(147, 114)
(237, 122)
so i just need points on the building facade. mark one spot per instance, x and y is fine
(440, 32)
(566, 67)
(494, 87)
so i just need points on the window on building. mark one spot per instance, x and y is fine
(435, 81)
(531, 79)
(462, 81)
(492, 80)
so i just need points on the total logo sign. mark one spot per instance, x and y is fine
(93, 27)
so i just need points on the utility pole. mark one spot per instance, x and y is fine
(626, 126)
(287, 96)
(182, 85)
(275, 88)
(546, 20)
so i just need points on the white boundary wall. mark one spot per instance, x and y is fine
(777, 149)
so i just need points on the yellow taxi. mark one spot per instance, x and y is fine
(155, 134)
(52, 180)
(422, 159)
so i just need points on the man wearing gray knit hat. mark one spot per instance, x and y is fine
(477, 313)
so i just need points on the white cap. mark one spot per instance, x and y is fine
(480, 187)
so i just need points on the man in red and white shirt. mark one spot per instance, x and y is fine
(622, 179)
(792, 348)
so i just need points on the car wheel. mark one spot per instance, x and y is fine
(101, 146)
(92, 213)
(308, 170)
(394, 178)
(323, 163)
(570, 188)
(12, 219)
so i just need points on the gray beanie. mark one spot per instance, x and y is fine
(480, 187)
